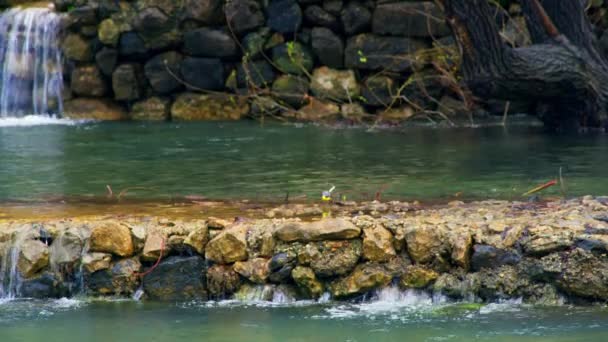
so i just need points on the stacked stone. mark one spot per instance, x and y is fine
(213, 59)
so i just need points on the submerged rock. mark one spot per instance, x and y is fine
(177, 278)
(191, 107)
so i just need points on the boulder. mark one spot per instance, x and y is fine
(318, 110)
(111, 237)
(462, 248)
(410, 19)
(416, 277)
(156, 243)
(163, 72)
(317, 16)
(228, 246)
(106, 60)
(109, 32)
(255, 270)
(254, 43)
(291, 90)
(43, 286)
(307, 282)
(93, 262)
(66, 249)
(76, 48)
(206, 42)
(378, 244)
(121, 279)
(485, 256)
(88, 81)
(255, 73)
(547, 242)
(424, 244)
(244, 15)
(332, 258)
(132, 46)
(284, 16)
(379, 90)
(363, 279)
(328, 229)
(33, 258)
(281, 266)
(328, 47)
(222, 281)
(203, 73)
(177, 279)
(583, 274)
(190, 106)
(355, 18)
(372, 52)
(151, 21)
(292, 58)
(334, 84)
(93, 109)
(207, 12)
(151, 109)
(197, 239)
(127, 82)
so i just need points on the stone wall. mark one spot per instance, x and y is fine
(543, 253)
(213, 59)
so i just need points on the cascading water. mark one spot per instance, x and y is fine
(10, 279)
(31, 76)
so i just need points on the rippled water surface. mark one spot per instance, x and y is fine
(412, 319)
(246, 160)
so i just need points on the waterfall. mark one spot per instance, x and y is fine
(10, 279)
(31, 76)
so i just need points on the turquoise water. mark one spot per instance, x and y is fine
(246, 160)
(69, 320)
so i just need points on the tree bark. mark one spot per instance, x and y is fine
(563, 71)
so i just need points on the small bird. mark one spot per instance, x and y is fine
(326, 195)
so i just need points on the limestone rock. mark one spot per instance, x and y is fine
(328, 229)
(177, 278)
(378, 244)
(293, 58)
(417, 277)
(255, 270)
(121, 279)
(151, 109)
(192, 107)
(462, 247)
(371, 52)
(307, 282)
(109, 32)
(111, 237)
(198, 238)
(88, 81)
(334, 84)
(485, 256)
(93, 262)
(424, 244)
(364, 278)
(66, 248)
(228, 246)
(222, 281)
(244, 15)
(76, 48)
(318, 110)
(410, 19)
(33, 257)
(156, 243)
(93, 109)
(127, 82)
(162, 72)
(334, 258)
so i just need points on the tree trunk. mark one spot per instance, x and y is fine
(563, 71)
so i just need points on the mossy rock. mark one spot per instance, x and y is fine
(192, 107)
(293, 58)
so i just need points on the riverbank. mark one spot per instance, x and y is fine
(543, 253)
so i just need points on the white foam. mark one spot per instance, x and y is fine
(66, 303)
(36, 120)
